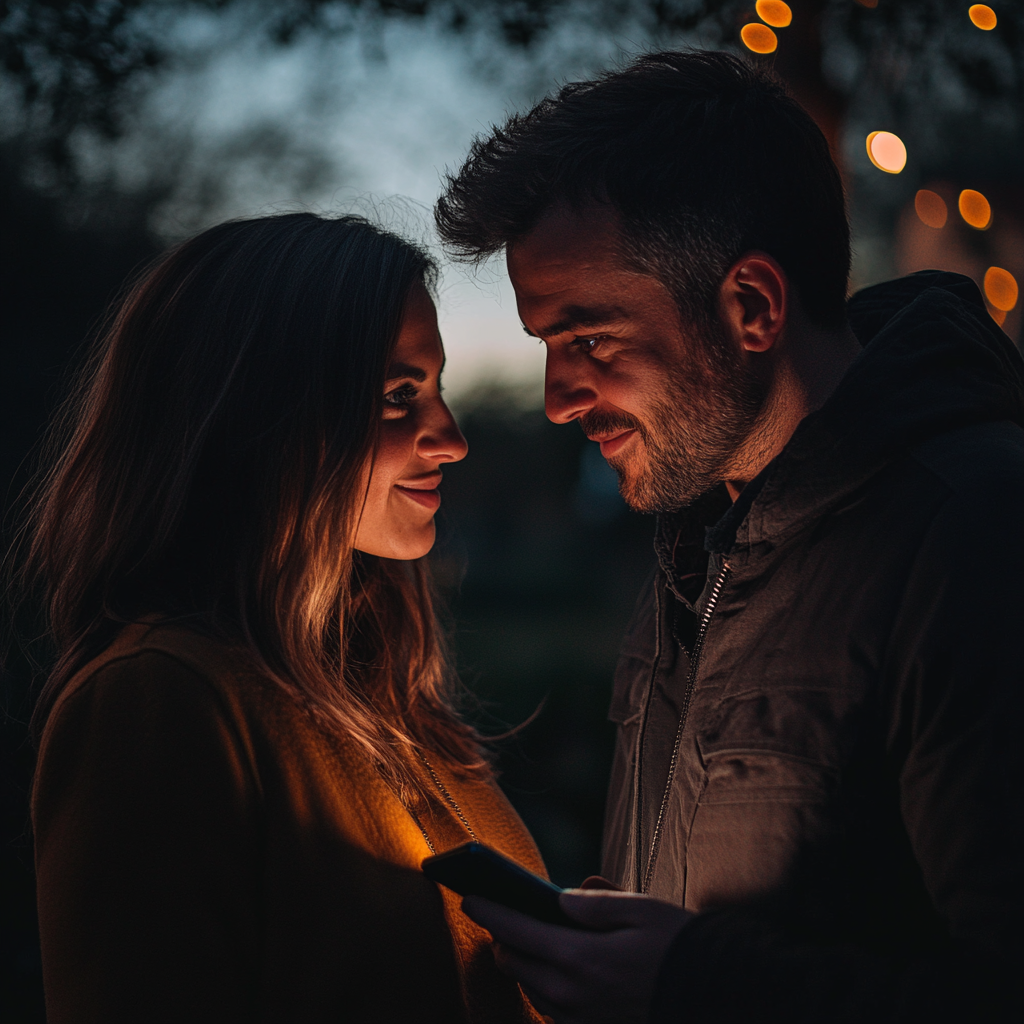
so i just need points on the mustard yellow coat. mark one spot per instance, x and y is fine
(207, 852)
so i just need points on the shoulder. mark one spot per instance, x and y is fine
(158, 659)
(156, 679)
(977, 458)
(139, 725)
(138, 682)
(980, 470)
(961, 600)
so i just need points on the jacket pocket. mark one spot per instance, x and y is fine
(759, 815)
(636, 661)
(632, 678)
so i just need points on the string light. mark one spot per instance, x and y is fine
(931, 208)
(759, 38)
(982, 16)
(1001, 289)
(975, 209)
(774, 13)
(887, 152)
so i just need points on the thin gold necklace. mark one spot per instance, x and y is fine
(449, 799)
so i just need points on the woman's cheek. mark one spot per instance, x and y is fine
(395, 449)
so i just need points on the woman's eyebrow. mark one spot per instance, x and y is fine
(399, 370)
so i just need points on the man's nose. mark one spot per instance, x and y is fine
(567, 395)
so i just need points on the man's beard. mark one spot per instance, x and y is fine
(695, 427)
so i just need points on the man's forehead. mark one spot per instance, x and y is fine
(565, 240)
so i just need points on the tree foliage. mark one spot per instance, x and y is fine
(80, 65)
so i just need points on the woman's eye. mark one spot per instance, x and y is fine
(400, 398)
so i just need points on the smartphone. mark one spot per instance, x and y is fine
(476, 870)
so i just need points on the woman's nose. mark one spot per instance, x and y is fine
(442, 440)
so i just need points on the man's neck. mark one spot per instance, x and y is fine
(809, 365)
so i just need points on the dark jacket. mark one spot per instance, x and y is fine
(819, 698)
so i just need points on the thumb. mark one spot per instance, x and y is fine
(604, 910)
(597, 882)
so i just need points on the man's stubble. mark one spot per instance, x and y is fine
(695, 427)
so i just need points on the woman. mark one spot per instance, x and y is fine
(248, 744)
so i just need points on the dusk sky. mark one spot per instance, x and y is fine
(365, 120)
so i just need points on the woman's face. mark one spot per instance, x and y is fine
(418, 434)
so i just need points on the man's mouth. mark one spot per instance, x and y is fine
(612, 443)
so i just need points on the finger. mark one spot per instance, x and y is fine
(544, 979)
(520, 931)
(540, 1004)
(552, 994)
(606, 911)
(597, 882)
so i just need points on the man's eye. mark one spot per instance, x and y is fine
(587, 344)
(401, 397)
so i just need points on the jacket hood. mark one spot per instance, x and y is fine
(933, 361)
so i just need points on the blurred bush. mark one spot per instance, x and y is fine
(542, 562)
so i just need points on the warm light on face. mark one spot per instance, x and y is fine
(1001, 289)
(975, 209)
(759, 38)
(931, 208)
(418, 434)
(982, 16)
(887, 152)
(774, 13)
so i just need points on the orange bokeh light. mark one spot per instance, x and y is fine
(774, 13)
(998, 315)
(887, 152)
(982, 16)
(1001, 289)
(759, 38)
(931, 208)
(975, 209)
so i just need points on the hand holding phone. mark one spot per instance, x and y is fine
(476, 870)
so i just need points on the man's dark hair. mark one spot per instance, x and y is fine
(703, 156)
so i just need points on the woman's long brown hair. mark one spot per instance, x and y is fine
(209, 467)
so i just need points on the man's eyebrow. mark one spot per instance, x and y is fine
(399, 370)
(580, 318)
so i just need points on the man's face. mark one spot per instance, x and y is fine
(670, 406)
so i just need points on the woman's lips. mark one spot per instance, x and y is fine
(430, 499)
(611, 445)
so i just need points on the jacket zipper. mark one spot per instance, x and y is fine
(691, 679)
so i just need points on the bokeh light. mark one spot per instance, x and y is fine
(887, 152)
(759, 38)
(982, 16)
(975, 209)
(1001, 289)
(774, 13)
(931, 208)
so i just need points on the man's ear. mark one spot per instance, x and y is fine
(754, 300)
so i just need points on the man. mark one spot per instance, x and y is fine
(814, 811)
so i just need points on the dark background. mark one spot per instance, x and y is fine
(538, 557)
